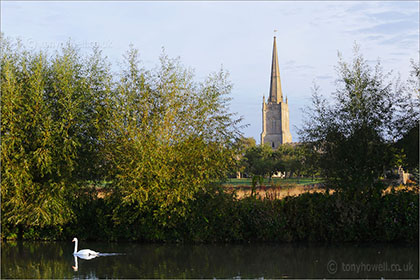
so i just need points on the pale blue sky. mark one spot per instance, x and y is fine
(237, 35)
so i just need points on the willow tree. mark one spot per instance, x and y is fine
(170, 137)
(35, 148)
(93, 118)
(48, 123)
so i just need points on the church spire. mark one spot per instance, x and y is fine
(276, 95)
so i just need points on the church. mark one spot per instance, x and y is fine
(275, 112)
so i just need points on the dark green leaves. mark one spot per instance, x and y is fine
(355, 133)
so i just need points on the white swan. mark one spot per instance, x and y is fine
(85, 253)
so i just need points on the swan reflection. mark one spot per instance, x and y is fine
(83, 257)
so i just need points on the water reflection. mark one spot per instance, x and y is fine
(76, 265)
(84, 257)
(55, 260)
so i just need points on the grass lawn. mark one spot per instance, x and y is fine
(275, 181)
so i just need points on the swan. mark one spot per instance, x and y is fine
(85, 253)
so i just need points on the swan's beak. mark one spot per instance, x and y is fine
(73, 240)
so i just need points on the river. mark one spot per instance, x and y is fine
(240, 261)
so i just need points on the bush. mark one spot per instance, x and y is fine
(215, 216)
(219, 217)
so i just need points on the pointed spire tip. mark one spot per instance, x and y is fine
(276, 95)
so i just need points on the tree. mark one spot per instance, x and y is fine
(354, 134)
(259, 161)
(289, 159)
(169, 138)
(247, 142)
(93, 119)
(296, 159)
(157, 136)
(53, 114)
(243, 144)
(38, 148)
(311, 161)
(408, 119)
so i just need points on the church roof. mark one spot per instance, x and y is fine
(276, 95)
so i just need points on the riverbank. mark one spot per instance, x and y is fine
(219, 216)
(273, 192)
(295, 181)
(277, 191)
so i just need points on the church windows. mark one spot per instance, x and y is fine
(272, 144)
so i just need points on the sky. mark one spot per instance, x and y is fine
(235, 35)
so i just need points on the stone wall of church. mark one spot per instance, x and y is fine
(273, 118)
(276, 129)
(286, 135)
(272, 129)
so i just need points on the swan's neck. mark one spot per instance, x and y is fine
(75, 247)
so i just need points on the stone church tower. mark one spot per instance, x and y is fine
(275, 112)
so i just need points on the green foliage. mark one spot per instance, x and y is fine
(215, 216)
(299, 159)
(170, 137)
(95, 107)
(163, 142)
(408, 105)
(354, 134)
(259, 161)
(54, 113)
(38, 149)
(157, 136)
(409, 145)
(294, 159)
(399, 216)
(246, 143)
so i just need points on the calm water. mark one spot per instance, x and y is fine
(55, 260)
